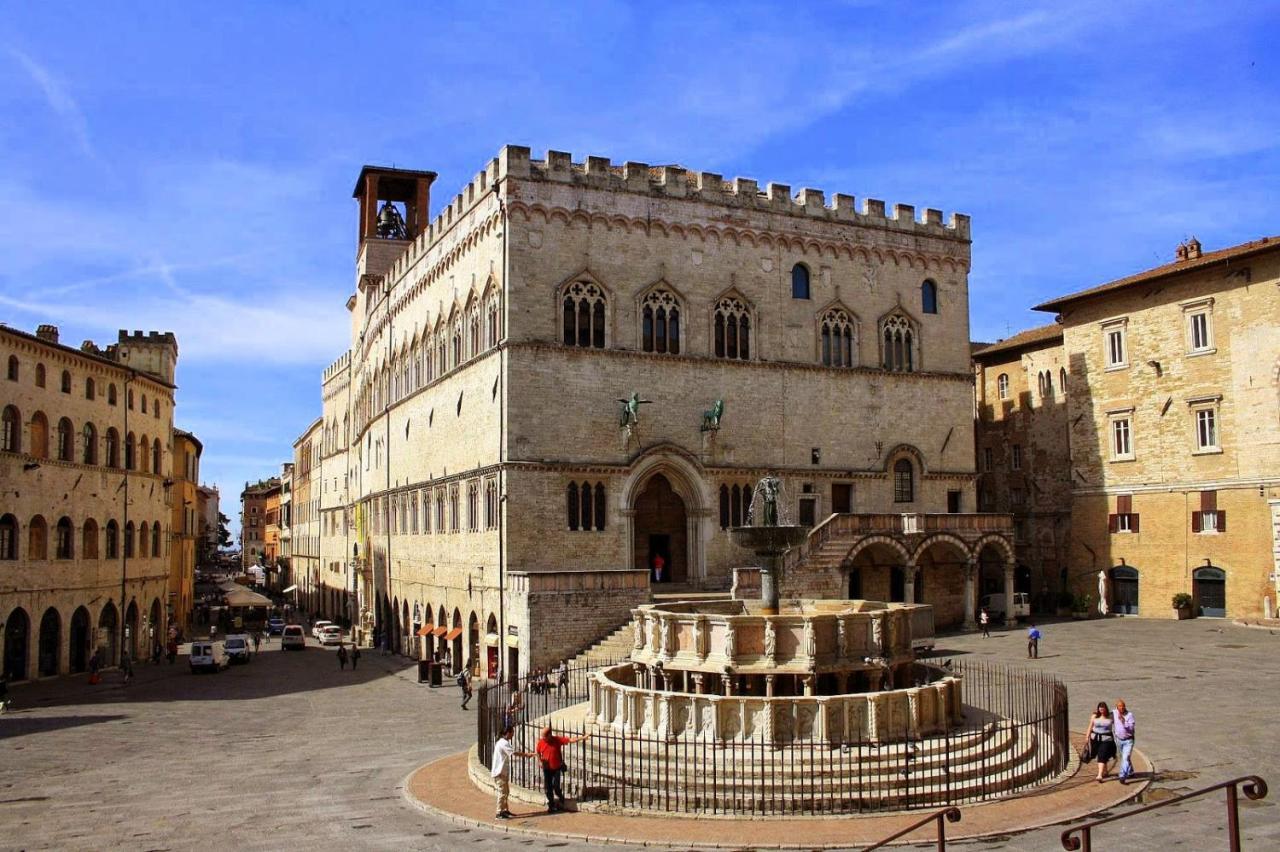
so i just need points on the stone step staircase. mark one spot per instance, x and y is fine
(613, 647)
(979, 764)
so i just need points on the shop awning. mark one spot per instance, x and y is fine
(242, 597)
(440, 631)
(491, 639)
(453, 634)
(425, 630)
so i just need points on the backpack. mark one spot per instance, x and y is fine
(462, 679)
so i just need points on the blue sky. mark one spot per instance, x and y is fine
(174, 169)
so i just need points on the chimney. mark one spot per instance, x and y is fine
(1180, 253)
(1193, 249)
(47, 333)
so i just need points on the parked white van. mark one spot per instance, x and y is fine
(293, 638)
(995, 606)
(237, 646)
(207, 656)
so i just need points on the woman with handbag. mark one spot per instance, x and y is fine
(1100, 743)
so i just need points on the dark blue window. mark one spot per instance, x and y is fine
(799, 281)
(929, 297)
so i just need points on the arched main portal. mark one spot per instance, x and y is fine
(473, 643)
(1124, 590)
(78, 649)
(17, 632)
(109, 634)
(661, 538)
(50, 642)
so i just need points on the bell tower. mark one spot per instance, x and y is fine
(394, 206)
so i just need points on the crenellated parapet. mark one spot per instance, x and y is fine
(742, 193)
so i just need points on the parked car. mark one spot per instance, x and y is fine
(995, 605)
(293, 638)
(275, 625)
(318, 628)
(331, 635)
(207, 656)
(237, 647)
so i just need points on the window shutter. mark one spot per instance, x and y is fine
(1124, 504)
(1196, 524)
(1133, 523)
(1113, 523)
(1222, 520)
(1208, 501)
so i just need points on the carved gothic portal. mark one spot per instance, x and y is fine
(660, 532)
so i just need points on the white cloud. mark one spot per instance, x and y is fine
(59, 100)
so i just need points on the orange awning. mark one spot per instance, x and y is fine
(441, 630)
(425, 630)
(453, 634)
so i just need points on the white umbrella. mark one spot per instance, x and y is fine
(1102, 592)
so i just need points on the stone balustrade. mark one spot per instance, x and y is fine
(828, 720)
(806, 637)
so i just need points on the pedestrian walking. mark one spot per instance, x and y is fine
(342, 657)
(355, 656)
(1100, 744)
(464, 683)
(126, 666)
(4, 693)
(172, 651)
(562, 679)
(550, 753)
(1033, 643)
(1122, 729)
(515, 709)
(503, 750)
(95, 665)
(985, 621)
(257, 641)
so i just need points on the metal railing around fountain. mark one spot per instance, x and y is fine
(1015, 736)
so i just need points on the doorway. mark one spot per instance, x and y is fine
(50, 641)
(661, 532)
(1124, 590)
(1209, 588)
(79, 646)
(17, 630)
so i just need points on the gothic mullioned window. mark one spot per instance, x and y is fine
(586, 506)
(899, 342)
(492, 322)
(735, 505)
(732, 329)
(583, 307)
(903, 481)
(839, 338)
(660, 322)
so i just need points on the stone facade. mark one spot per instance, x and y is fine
(474, 428)
(1173, 400)
(86, 515)
(304, 531)
(1024, 456)
(253, 520)
(184, 527)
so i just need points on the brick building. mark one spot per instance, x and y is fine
(1173, 401)
(474, 429)
(253, 520)
(184, 536)
(85, 515)
(1024, 457)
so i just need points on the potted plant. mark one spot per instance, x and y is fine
(1080, 609)
(1182, 605)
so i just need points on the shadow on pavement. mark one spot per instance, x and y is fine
(19, 726)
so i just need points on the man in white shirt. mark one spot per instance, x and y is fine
(503, 751)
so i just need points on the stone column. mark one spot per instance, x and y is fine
(909, 584)
(768, 686)
(970, 601)
(1009, 620)
(697, 683)
(809, 681)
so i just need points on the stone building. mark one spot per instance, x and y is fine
(488, 486)
(305, 514)
(208, 500)
(1024, 458)
(253, 520)
(85, 509)
(284, 561)
(184, 536)
(1173, 400)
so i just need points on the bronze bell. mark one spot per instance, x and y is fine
(390, 225)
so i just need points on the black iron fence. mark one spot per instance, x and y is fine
(1015, 735)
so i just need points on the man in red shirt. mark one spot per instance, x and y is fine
(549, 753)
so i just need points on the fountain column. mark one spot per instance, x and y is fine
(769, 584)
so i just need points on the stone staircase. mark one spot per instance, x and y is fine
(976, 764)
(613, 647)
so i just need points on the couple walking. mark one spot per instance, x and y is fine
(1110, 734)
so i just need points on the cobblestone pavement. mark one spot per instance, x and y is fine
(290, 751)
